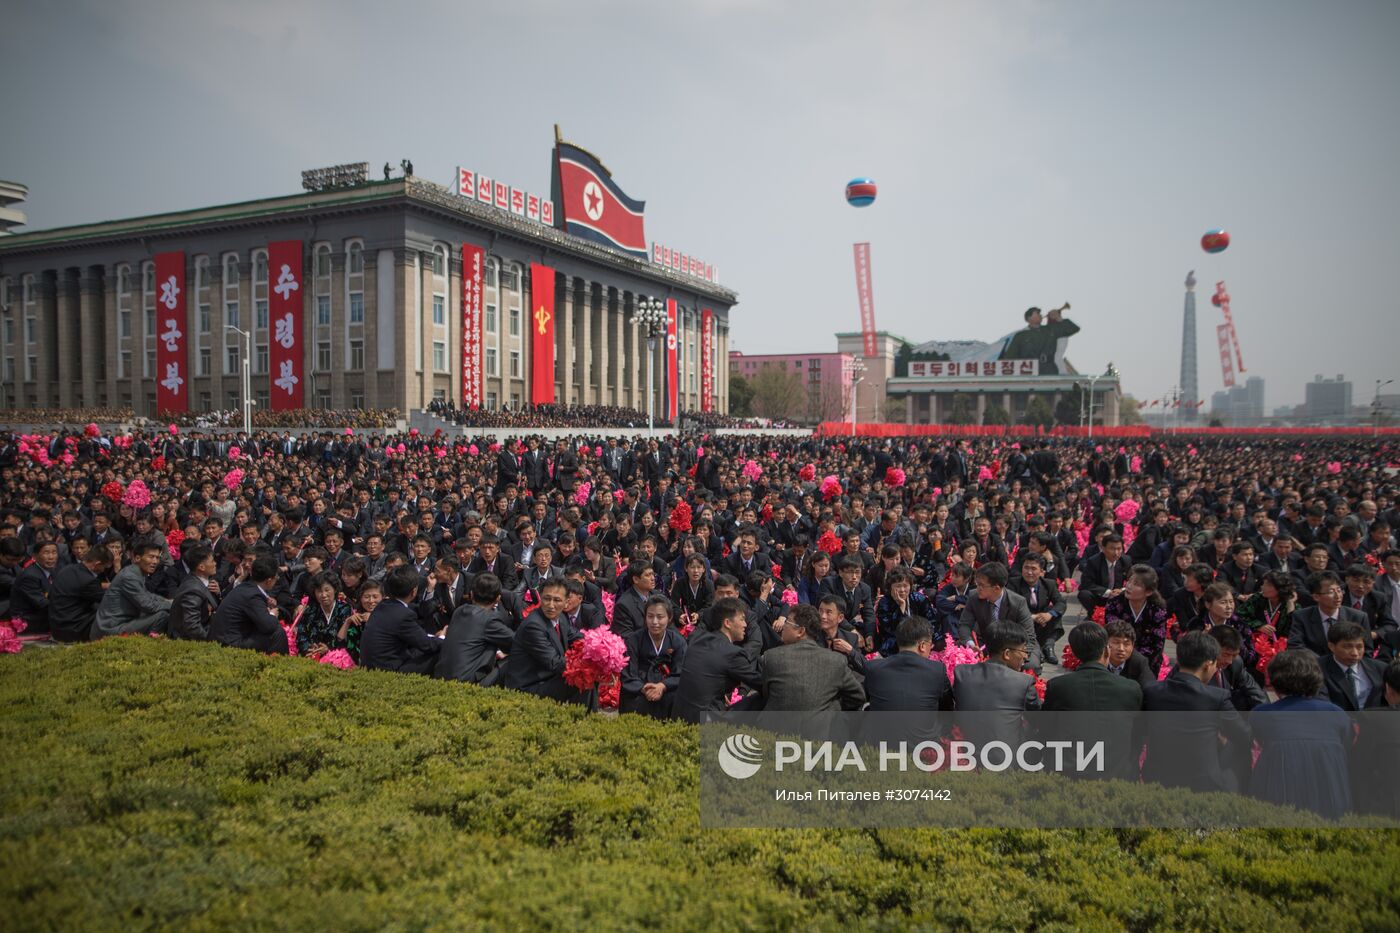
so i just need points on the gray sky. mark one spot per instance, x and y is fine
(1026, 153)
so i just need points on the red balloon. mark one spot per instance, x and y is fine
(1215, 241)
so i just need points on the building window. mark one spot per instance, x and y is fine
(357, 354)
(323, 400)
(231, 272)
(323, 310)
(260, 359)
(29, 330)
(123, 323)
(490, 401)
(124, 364)
(148, 278)
(205, 363)
(263, 400)
(231, 358)
(439, 395)
(515, 322)
(356, 254)
(439, 356)
(515, 363)
(439, 310)
(231, 316)
(203, 320)
(510, 278)
(10, 330)
(31, 366)
(148, 361)
(439, 261)
(323, 261)
(323, 356)
(490, 319)
(357, 307)
(260, 314)
(260, 268)
(490, 275)
(206, 401)
(491, 367)
(515, 400)
(10, 369)
(357, 400)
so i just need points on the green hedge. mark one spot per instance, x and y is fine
(154, 784)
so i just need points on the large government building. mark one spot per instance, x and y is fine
(381, 311)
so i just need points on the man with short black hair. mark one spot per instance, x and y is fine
(801, 675)
(993, 602)
(478, 634)
(1353, 681)
(1185, 751)
(393, 639)
(1092, 686)
(196, 599)
(1309, 627)
(714, 663)
(247, 616)
(128, 607)
(76, 593)
(907, 681)
(536, 663)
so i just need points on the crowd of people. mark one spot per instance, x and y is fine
(754, 572)
(566, 416)
(365, 419)
(66, 415)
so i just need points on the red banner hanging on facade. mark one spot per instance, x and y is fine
(707, 352)
(671, 347)
(1227, 365)
(473, 258)
(542, 334)
(172, 323)
(867, 299)
(285, 300)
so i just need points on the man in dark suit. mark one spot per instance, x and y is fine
(1101, 576)
(1353, 681)
(1186, 751)
(393, 639)
(196, 598)
(860, 599)
(994, 602)
(534, 466)
(908, 681)
(536, 663)
(1044, 601)
(714, 663)
(997, 688)
(507, 466)
(565, 467)
(1360, 594)
(490, 560)
(76, 592)
(581, 613)
(478, 631)
(1124, 660)
(1093, 688)
(29, 600)
(1245, 691)
(247, 617)
(803, 676)
(1309, 627)
(628, 614)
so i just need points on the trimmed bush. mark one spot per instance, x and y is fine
(157, 783)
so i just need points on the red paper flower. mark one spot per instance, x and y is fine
(767, 512)
(894, 476)
(113, 492)
(830, 543)
(1097, 615)
(91, 430)
(831, 488)
(1068, 660)
(807, 473)
(158, 463)
(173, 539)
(1267, 646)
(680, 517)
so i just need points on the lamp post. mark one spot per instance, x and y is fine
(247, 377)
(1376, 408)
(858, 371)
(1109, 373)
(651, 314)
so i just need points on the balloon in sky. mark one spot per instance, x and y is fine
(860, 192)
(1215, 241)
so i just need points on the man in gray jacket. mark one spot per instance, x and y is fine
(802, 675)
(129, 608)
(993, 603)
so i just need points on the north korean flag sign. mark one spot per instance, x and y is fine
(592, 206)
(285, 302)
(671, 347)
(172, 323)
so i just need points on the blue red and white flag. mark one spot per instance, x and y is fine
(592, 206)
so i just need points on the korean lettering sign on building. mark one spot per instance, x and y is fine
(974, 369)
(285, 303)
(472, 260)
(172, 357)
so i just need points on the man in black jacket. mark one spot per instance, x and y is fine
(1186, 751)
(30, 598)
(247, 618)
(478, 632)
(1101, 576)
(76, 592)
(714, 663)
(1092, 688)
(196, 598)
(536, 663)
(393, 639)
(908, 681)
(1352, 681)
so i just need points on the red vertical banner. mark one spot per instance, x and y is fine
(472, 259)
(542, 334)
(285, 298)
(172, 323)
(1227, 365)
(707, 362)
(671, 381)
(867, 300)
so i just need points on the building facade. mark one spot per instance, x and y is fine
(1327, 399)
(1241, 405)
(382, 308)
(826, 377)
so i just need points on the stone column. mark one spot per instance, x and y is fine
(584, 309)
(406, 331)
(339, 330)
(981, 406)
(110, 344)
(370, 328)
(45, 375)
(615, 358)
(566, 360)
(94, 349)
(636, 357)
(603, 306)
(66, 323)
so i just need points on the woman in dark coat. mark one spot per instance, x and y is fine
(655, 656)
(1303, 758)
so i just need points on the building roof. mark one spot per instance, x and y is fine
(413, 192)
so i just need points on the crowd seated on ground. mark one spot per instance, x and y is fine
(717, 559)
(568, 416)
(291, 418)
(66, 415)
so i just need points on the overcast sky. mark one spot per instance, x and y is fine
(1026, 153)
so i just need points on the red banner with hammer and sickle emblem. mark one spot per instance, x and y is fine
(541, 334)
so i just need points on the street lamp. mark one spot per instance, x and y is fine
(651, 314)
(247, 377)
(857, 370)
(1109, 373)
(1376, 407)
